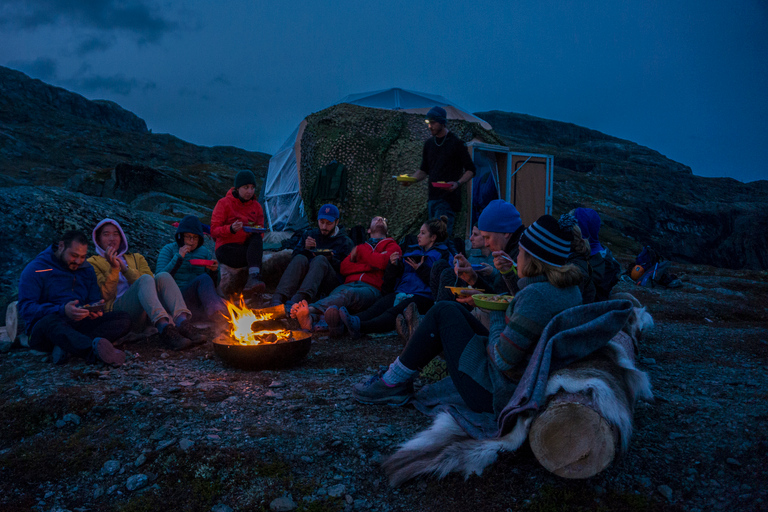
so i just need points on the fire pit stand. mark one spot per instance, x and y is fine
(264, 356)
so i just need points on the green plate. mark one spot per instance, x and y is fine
(492, 302)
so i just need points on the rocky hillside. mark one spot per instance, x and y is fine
(646, 198)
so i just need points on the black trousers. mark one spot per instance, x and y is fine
(447, 328)
(381, 316)
(76, 338)
(248, 254)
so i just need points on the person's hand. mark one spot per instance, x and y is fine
(466, 299)
(236, 226)
(463, 269)
(486, 271)
(455, 185)
(413, 264)
(96, 314)
(213, 267)
(74, 312)
(310, 243)
(112, 258)
(184, 250)
(394, 258)
(502, 261)
(353, 255)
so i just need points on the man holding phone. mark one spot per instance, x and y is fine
(60, 302)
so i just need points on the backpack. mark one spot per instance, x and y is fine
(648, 257)
(659, 274)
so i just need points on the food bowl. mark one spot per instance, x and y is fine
(441, 184)
(405, 178)
(492, 302)
(201, 263)
(264, 356)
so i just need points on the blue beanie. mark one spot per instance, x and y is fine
(437, 114)
(499, 217)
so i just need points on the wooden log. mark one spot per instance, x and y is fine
(571, 439)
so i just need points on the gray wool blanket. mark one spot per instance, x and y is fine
(571, 335)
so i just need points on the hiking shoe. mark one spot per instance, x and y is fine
(59, 355)
(105, 352)
(352, 322)
(333, 319)
(412, 318)
(375, 391)
(172, 338)
(254, 285)
(401, 326)
(189, 331)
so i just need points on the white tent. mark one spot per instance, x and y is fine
(282, 200)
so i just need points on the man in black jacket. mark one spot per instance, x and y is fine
(314, 268)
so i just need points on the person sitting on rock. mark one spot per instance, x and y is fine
(53, 289)
(236, 245)
(315, 267)
(127, 284)
(412, 287)
(605, 268)
(196, 282)
(363, 272)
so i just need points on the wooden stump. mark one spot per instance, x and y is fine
(231, 280)
(571, 439)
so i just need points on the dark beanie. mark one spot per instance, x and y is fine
(437, 114)
(245, 178)
(546, 241)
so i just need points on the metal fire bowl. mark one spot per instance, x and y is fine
(264, 356)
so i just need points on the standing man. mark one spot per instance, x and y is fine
(445, 158)
(53, 290)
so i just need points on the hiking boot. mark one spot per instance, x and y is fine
(189, 331)
(412, 318)
(375, 391)
(254, 285)
(105, 352)
(352, 322)
(59, 355)
(172, 338)
(333, 319)
(401, 326)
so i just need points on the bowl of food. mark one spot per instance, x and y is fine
(464, 291)
(441, 184)
(201, 262)
(493, 302)
(405, 178)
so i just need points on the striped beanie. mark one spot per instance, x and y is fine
(547, 242)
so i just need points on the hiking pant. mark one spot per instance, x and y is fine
(355, 296)
(76, 338)
(248, 254)
(382, 315)
(201, 298)
(438, 207)
(305, 279)
(447, 328)
(158, 297)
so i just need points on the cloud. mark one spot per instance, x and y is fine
(135, 16)
(43, 68)
(221, 80)
(95, 44)
(118, 84)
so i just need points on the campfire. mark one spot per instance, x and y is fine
(242, 320)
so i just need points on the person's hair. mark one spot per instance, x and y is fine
(579, 246)
(438, 227)
(559, 277)
(73, 236)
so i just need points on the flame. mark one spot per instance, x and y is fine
(241, 318)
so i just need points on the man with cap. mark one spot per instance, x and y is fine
(444, 158)
(314, 268)
(232, 221)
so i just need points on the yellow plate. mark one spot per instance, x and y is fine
(405, 178)
(494, 302)
(464, 291)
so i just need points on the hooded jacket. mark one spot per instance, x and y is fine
(589, 224)
(46, 286)
(108, 278)
(230, 209)
(170, 261)
(370, 262)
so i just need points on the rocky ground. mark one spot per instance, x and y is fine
(182, 431)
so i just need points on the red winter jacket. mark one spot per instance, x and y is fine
(370, 262)
(228, 210)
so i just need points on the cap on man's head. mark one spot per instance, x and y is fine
(328, 212)
(437, 114)
(499, 217)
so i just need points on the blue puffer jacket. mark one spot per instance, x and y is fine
(416, 282)
(46, 286)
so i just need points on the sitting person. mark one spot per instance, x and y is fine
(314, 270)
(195, 282)
(605, 268)
(52, 290)
(486, 364)
(413, 269)
(579, 258)
(127, 284)
(235, 246)
(363, 272)
(480, 259)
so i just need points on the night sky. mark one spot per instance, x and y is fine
(686, 78)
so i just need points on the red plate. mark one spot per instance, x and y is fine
(202, 263)
(441, 184)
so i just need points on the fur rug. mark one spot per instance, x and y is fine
(608, 376)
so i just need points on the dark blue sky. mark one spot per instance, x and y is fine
(688, 79)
